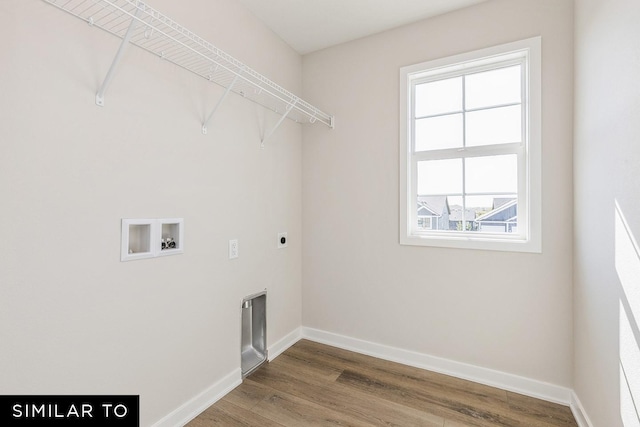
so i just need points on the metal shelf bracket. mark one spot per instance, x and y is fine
(277, 125)
(116, 60)
(224, 95)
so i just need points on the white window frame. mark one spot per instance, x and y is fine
(528, 238)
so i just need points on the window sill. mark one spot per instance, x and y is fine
(472, 242)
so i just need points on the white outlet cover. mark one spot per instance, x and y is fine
(233, 249)
(286, 240)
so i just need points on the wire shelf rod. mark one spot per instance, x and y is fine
(167, 39)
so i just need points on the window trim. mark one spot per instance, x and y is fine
(531, 207)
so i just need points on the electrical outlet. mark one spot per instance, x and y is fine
(282, 240)
(233, 248)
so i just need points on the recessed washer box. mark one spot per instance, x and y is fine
(148, 238)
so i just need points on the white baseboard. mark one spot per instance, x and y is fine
(194, 407)
(578, 411)
(279, 347)
(502, 380)
(526, 386)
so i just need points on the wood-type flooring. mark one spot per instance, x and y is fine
(312, 384)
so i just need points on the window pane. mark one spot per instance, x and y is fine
(439, 132)
(457, 220)
(491, 88)
(494, 214)
(492, 174)
(440, 177)
(442, 96)
(454, 202)
(494, 126)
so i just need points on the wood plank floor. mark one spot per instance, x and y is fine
(312, 384)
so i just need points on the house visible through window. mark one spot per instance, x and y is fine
(471, 150)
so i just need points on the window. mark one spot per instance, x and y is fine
(470, 136)
(424, 222)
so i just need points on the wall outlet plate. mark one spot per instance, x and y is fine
(233, 248)
(283, 240)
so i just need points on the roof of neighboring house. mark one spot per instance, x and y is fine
(456, 214)
(436, 204)
(503, 207)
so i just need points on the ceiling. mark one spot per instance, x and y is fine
(310, 25)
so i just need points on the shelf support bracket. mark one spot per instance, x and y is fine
(224, 95)
(277, 125)
(116, 60)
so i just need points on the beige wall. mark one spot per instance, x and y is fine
(607, 157)
(73, 318)
(511, 312)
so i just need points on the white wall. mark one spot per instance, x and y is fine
(73, 318)
(510, 312)
(607, 265)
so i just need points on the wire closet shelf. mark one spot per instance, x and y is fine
(139, 24)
